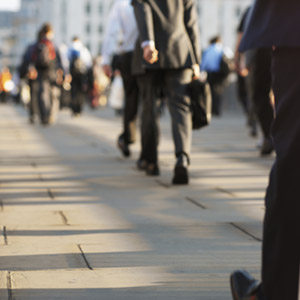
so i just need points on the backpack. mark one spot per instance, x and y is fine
(44, 54)
(77, 67)
(225, 68)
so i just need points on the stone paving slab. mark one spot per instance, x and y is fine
(77, 221)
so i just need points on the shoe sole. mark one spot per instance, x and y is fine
(126, 153)
(181, 176)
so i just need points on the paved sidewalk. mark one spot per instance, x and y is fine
(78, 221)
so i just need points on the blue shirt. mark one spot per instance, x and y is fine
(212, 57)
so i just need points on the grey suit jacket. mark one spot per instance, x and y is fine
(273, 23)
(173, 25)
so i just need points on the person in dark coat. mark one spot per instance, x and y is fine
(169, 40)
(275, 23)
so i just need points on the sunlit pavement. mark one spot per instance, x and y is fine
(78, 221)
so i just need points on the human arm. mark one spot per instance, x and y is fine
(110, 39)
(144, 18)
(191, 25)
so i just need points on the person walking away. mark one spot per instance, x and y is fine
(28, 72)
(215, 61)
(259, 82)
(242, 74)
(80, 64)
(274, 23)
(122, 31)
(169, 38)
(47, 63)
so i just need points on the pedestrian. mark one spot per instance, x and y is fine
(169, 46)
(259, 82)
(28, 72)
(122, 31)
(242, 82)
(46, 61)
(215, 61)
(80, 64)
(274, 23)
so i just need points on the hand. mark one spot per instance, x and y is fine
(107, 70)
(60, 77)
(196, 71)
(150, 54)
(32, 74)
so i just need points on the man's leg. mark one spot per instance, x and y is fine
(281, 241)
(176, 82)
(44, 99)
(131, 99)
(149, 117)
(261, 85)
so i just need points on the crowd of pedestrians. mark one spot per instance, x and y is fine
(57, 76)
(158, 56)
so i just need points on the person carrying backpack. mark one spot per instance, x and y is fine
(80, 65)
(47, 63)
(216, 62)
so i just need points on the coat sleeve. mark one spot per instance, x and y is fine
(144, 19)
(191, 24)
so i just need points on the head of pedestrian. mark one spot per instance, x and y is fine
(47, 31)
(215, 40)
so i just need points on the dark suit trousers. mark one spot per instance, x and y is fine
(281, 240)
(260, 81)
(131, 98)
(173, 84)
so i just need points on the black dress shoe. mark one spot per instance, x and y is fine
(181, 175)
(123, 147)
(267, 147)
(244, 286)
(141, 164)
(152, 169)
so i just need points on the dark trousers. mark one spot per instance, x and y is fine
(173, 83)
(44, 98)
(78, 94)
(260, 81)
(281, 240)
(217, 87)
(131, 99)
(33, 104)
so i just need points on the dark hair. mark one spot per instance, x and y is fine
(47, 27)
(215, 39)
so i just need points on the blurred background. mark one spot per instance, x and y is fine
(21, 19)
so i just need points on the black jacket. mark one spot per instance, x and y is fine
(272, 23)
(173, 25)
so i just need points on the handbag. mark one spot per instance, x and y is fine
(201, 103)
(116, 96)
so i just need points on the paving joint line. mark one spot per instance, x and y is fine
(163, 184)
(5, 235)
(245, 232)
(64, 218)
(50, 194)
(195, 202)
(224, 191)
(85, 258)
(9, 286)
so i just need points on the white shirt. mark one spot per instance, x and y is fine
(121, 31)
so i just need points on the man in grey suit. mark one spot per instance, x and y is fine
(275, 23)
(169, 38)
